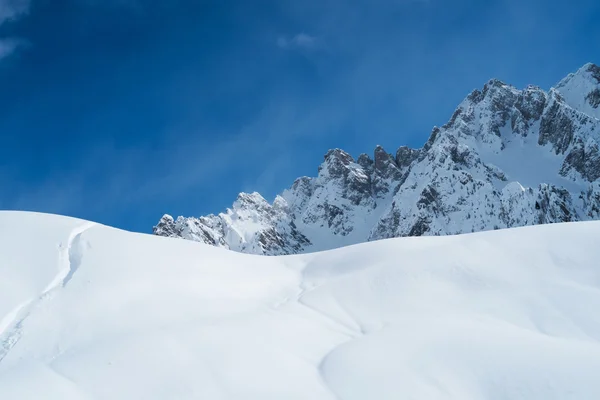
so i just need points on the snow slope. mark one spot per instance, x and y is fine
(92, 312)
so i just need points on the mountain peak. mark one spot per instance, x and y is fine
(593, 69)
(365, 161)
(581, 90)
(253, 198)
(588, 72)
(506, 158)
(494, 82)
(338, 155)
(336, 164)
(165, 226)
(384, 160)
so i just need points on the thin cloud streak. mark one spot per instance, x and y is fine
(11, 10)
(301, 40)
(8, 46)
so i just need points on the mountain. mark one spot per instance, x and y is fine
(92, 312)
(506, 158)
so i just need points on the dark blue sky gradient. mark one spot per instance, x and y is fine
(121, 110)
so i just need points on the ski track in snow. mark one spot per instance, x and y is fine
(69, 261)
(73, 253)
(507, 314)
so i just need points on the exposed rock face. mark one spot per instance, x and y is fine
(506, 158)
(252, 225)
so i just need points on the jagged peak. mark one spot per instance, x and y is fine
(476, 97)
(379, 151)
(336, 161)
(495, 84)
(494, 88)
(166, 218)
(383, 159)
(581, 90)
(590, 69)
(165, 226)
(338, 154)
(594, 70)
(589, 72)
(365, 161)
(251, 198)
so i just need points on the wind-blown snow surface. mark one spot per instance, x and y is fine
(91, 312)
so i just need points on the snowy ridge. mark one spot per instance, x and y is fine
(508, 314)
(506, 158)
(581, 90)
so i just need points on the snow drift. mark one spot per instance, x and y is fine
(92, 312)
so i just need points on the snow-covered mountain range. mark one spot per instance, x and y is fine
(506, 158)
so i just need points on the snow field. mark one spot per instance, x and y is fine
(92, 312)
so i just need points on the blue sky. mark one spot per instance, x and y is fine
(120, 111)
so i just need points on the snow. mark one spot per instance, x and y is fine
(575, 88)
(523, 160)
(506, 158)
(92, 312)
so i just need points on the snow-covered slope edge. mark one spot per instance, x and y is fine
(507, 314)
(506, 158)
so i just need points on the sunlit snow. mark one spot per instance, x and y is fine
(92, 312)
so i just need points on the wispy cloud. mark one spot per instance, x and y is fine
(8, 46)
(301, 40)
(11, 10)
(136, 5)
